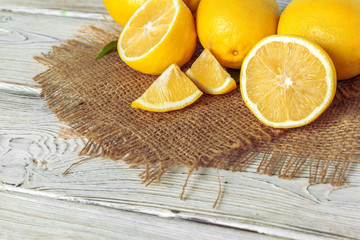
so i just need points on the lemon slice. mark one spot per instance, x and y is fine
(160, 33)
(192, 4)
(210, 77)
(172, 90)
(287, 81)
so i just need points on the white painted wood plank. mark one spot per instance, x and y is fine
(23, 36)
(294, 209)
(33, 157)
(88, 6)
(23, 215)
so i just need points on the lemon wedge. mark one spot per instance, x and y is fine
(172, 90)
(210, 77)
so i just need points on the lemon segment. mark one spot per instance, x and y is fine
(160, 33)
(287, 81)
(172, 90)
(209, 76)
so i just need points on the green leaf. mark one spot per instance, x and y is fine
(110, 47)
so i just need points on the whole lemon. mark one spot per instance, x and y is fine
(122, 10)
(333, 24)
(230, 28)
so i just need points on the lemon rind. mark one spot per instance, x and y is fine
(330, 75)
(122, 52)
(169, 106)
(220, 90)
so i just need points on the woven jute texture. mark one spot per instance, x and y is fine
(93, 98)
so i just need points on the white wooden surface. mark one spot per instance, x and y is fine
(101, 199)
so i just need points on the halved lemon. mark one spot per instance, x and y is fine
(160, 33)
(210, 77)
(287, 81)
(172, 90)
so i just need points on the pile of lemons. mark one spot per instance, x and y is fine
(289, 64)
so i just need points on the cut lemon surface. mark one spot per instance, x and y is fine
(172, 90)
(287, 81)
(210, 77)
(160, 33)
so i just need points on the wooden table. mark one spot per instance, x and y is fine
(102, 199)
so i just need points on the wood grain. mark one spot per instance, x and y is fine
(87, 6)
(20, 41)
(39, 217)
(259, 203)
(103, 199)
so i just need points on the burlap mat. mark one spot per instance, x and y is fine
(94, 98)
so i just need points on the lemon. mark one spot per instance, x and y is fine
(172, 90)
(333, 24)
(210, 77)
(287, 81)
(160, 33)
(122, 10)
(230, 28)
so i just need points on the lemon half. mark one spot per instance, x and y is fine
(287, 81)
